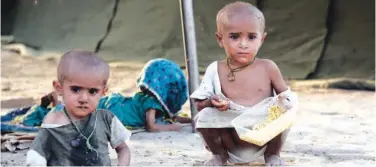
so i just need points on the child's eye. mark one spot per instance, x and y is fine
(234, 36)
(93, 91)
(252, 37)
(75, 89)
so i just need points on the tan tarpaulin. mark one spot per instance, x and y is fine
(146, 29)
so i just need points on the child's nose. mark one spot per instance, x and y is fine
(243, 44)
(83, 98)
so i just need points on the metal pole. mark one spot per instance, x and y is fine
(189, 39)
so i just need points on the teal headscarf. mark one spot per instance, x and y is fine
(166, 81)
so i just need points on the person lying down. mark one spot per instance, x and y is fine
(162, 93)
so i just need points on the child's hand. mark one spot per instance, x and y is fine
(183, 119)
(176, 127)
(284, 101)
(221, 105)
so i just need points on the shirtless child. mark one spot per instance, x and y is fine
(230, 86)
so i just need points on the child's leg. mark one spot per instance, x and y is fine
(273, 150)
(213, 141)
(241, 151)
(220, 140)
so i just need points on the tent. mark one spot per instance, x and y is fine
(306, 38)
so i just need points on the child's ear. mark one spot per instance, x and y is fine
(263, 37)
(218, 36)
(58, 87)
(105, 90)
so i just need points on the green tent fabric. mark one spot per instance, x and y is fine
(144, 30)
(350, 51)
(293, 42)
(61, 25)
(298, 38)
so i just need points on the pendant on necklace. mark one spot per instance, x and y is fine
(75, 142)
(231, 76)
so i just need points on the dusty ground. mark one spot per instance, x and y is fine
(335, 127)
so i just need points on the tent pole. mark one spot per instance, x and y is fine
(189, 39)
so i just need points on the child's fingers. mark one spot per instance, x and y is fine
(281, 97)
(215, 98)
(217, 103)
(224, 107)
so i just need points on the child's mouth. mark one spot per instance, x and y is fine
(243, 53)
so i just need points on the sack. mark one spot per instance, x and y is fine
(265, 120)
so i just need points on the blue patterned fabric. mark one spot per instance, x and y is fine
(17, 128)
(35, 116)
(8, 126)
(166, 81)
(13, 114)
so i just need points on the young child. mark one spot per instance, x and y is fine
(78, 134)
(231, 86)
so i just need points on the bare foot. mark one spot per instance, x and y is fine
(273, 160)
(215, 160)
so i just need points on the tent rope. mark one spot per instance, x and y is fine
(109, 26)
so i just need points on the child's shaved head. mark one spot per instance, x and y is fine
(82, 63)
(231, 10)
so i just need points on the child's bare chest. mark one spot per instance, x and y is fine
(250, 86)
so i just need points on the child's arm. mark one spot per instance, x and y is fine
(214, 101)
(119, 134)
(182, 119)
(151, 126)
(33, 158)
(201, 104)
(205, 96)
(123, 154)
(278, 83)
(40, 150)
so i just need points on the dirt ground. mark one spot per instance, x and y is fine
(334, 127)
